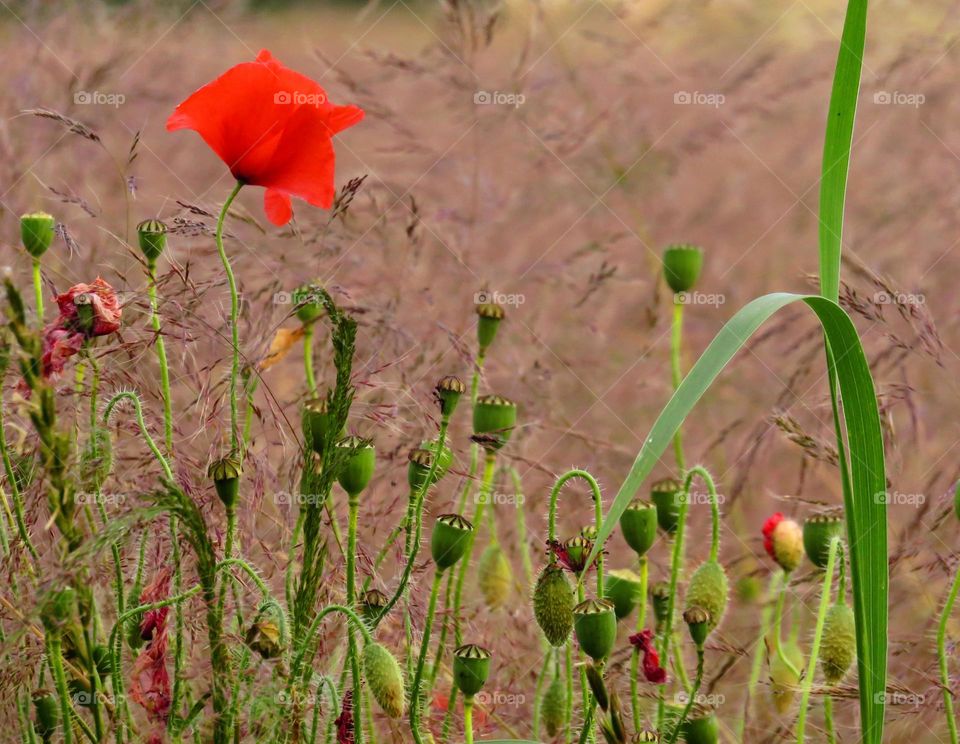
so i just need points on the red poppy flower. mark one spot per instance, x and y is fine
(86, 311)
(344, 721)
(651, 659)
(783, 541)
(150, 682)
(768, 527)
(273, 127)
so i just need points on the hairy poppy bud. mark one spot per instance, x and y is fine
(471, 667)
(47, 711)
(666, 495)
(708, 589)
(372, 603)
(58, 609)
(449, 541)
(622, 587)
(152, 239)
(317, 423)
(225, 474)
(839, 645)
(553, 601)
(595, 625)
(489, 316)
(698, 622)
(701, 727)
(783, 680)
(818, 531)
(783, 541)
(448, 391)
(638, 523)
(681, 266)
(494, 576)
(494, 418)
(660, 596)
(384, 678)
(263, 637)
(36, 232)
(597, 687)
(357, 471)
(553, 707)
(306, 300)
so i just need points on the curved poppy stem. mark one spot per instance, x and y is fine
(234, 315)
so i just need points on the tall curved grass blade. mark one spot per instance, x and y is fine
(865, 510)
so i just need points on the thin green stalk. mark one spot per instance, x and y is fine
(828, 719)
(38, 289)
(468, 719)
(644, 567)
(538, 692)
(568, 712)
(691, 697)
(18, 509)
(354, 510)
(308, 358)
(161, 358)
(817, 637)
(234, 317)
(55, 658)
(676, 370)
(415, 702)
(757, 666)
(777, 622)
(943, 659)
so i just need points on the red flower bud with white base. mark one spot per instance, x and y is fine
(783, 541)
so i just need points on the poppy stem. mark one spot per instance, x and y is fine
(234, 315)
(38, 289)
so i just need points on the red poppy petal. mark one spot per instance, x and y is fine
(278, 207)
(342, 117)
(303, 163)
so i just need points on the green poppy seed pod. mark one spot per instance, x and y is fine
(58, 609)
(660, 596)
(489, 316)
(317, 423)
(263, 637)
(622, 587)
(450, 539)
(419, 462)
(494, 577)
(306, 300)
(595, 625)
(47, 711)
(701, 727)
(372, 603)
(36, 232)
(666, 496)
(638, 523)
(708, 590)
(494, 418)
(839, 645)
(589, 532)
(471, 667)
(152, 239)
(578, 549)
(645, 736)
(553, 601)
(681, 266)
(818, 531)
(553, 707)
(357, 471)
(448, 390)
(783, 681)
(698, 623)
(597, 687)
(225, 474)
(384, 678)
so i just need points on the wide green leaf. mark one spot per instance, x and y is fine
(864, 502)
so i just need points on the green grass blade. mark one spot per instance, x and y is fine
(866, 513)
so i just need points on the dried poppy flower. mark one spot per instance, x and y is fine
(651, 659)
(150, 683)
(86, 311)
(273, 127)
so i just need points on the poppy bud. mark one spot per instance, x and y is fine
(660, 596)
(307, 302)
(708, 589)
(622, 588)
(839, 645)
(783, 541)
(783, 680)
(494, 577)
(638, 523)
(372, 603)
(36, 232)
(595, 625)
(489, 316)
(597, 687)
(450, 539)
(152, 239)
(666, 496)
(553, 707)
(471, 667)
(681, 266)
(698, 622)
(58, 609)
(317, 423)
(47, 711)
(645, 736)
(263, 637)
(701, 727)
(448, 390)
(226, 473)
(818, 531)
(384, 678)
(357, 471)
(553, 601)
(493, 420)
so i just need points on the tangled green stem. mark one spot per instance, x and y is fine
(234, 317)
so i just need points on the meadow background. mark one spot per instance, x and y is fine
(546, 152)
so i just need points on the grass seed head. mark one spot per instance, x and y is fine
(553, 601)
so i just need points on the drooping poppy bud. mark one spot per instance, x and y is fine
(263, 637)
(489, 316)
(553, 602)
(357, 471)
(597, 687)
(818, 531)
(698, 623)
(36, 232)
(47, 711)
(666, 495)
(783, 541)
(595, 625)
(449, 540)
(152, 239)
(839, 645)
(226, 473)
(471, 667)
(553, 707)
(448, 391)
(494, 418)
(372, 603)
(384, 678)
(660, 596)
(681, 266)
(638, 523)
(652, 671)
(708, 589)
(622, 587)
(58, 609)
(494, 576)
